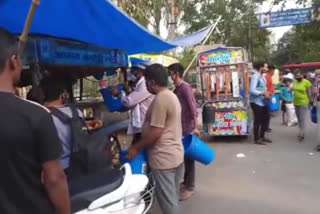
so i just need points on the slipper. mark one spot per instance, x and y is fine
(301, 138)
(259, 142)
(317, 148)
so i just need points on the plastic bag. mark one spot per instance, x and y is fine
(291, 115)
(274, 103)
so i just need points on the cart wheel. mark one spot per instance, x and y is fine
(115, 151)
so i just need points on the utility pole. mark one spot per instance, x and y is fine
(249, 32)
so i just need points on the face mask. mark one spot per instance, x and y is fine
(64, 97)
(299, 79)
(132, 77)
(170, 80)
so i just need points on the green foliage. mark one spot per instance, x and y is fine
(301, 44)
(315, 3)
(149, 12)
(238, 27)
(132, 9)
(188, 55)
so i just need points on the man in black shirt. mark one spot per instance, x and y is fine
(32, 179)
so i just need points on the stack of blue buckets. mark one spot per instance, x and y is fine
(194, 149)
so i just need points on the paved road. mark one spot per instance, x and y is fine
(282, 178)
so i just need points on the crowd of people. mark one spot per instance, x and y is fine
(298, 92)
(37, 144)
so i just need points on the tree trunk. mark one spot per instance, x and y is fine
(172, 24)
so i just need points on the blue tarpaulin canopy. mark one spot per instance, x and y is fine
(97, 22)
(192, 39)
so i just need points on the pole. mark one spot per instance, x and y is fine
(202, 44)
(249, 32)
(81, 89)
(202, 88)
(24, 36)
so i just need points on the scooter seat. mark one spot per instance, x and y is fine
(85, 190)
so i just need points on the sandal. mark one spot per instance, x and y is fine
(317, 148)
(301, 138)
(259, 142)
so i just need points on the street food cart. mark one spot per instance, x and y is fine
(225, 89)
(76, 61)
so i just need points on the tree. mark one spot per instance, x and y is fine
(314, 3)
(152, 12)
(301, 44)
(239, 25)
(136, 12)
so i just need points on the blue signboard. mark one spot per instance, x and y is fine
(285, 18)
(56, 52)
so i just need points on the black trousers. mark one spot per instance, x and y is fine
(269, 118)
(189, 173)
(261, 116)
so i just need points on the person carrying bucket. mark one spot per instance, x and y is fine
(189, 124)
(138, 101)
(270, 88)
(162, 138)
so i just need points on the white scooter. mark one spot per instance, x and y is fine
(114, 191)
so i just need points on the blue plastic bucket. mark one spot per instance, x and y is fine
(138, 165)
(197, 150)
(113, 103)
(274, 103)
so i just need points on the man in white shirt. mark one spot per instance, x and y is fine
(138, 101)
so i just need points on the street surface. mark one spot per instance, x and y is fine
(281, 178)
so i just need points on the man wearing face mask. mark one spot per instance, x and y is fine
(138, 101)
(189, 116)
(162, 137)
(55, 96)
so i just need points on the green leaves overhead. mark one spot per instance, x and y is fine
(301, 44)
(238, 26)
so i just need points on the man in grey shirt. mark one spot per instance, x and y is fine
(55, 93)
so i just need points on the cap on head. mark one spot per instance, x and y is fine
(289, 76)
(139, 63)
